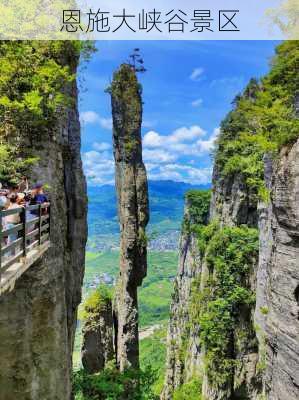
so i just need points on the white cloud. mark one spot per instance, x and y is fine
(152, 139)
(186, 134)
(181, 173)
(106, 123)
(157, 155)
(179, 136)
(165, 156)
(101, 146)
(151, 166)
(196, 74)
(205, 146)
(199, 175)
(197, 103)
(98, 167)
(91, 117)
(184, 141)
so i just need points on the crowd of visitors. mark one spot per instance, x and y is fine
(19, 196)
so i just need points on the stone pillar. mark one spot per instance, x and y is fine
(132, 194)
(97, 347)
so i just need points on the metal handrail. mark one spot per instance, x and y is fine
(30, 233)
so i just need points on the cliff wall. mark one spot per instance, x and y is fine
(234, 312)
(278, 278)
(38, 318)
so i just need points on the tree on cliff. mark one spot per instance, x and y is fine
(32, 78)
(136, 61)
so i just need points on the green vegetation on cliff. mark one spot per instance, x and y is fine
(221, 293)
(198, 204)
(11, 167)
(262, 121)
(34, 76)
(96, 301)
(111, 384)
(230, 256)
(153, 355)
(126, 92)
(190, 390)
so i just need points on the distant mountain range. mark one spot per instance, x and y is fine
(166, 211)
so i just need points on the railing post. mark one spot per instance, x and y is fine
(40, 225)
(24, 232)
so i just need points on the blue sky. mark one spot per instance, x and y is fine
(187, 90)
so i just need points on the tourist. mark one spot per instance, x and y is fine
(21, 199)
(3, 202)
(13, 190)
(13, 203)
(38, 197)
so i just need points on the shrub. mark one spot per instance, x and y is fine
(111, 384)
(198, 203)
(189, 391)
(96, 301)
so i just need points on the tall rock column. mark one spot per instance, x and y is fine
(97, 347)
(132, 194)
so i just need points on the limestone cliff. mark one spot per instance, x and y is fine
(267, 368)
(186, 353)
(181, 336)
(234, 314)
(278, 278)
(132, 196)
(38, 318)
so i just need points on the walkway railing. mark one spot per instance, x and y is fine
(31, 232)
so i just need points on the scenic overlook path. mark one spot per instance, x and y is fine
(24, 243)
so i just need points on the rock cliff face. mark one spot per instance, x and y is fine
(267, 360)
(267, 368)
(132, 195)
(235, 306)
(232, 202)
(179, 367)
(97, 347)
(278, 278)
(231, 205)
(38, 318)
